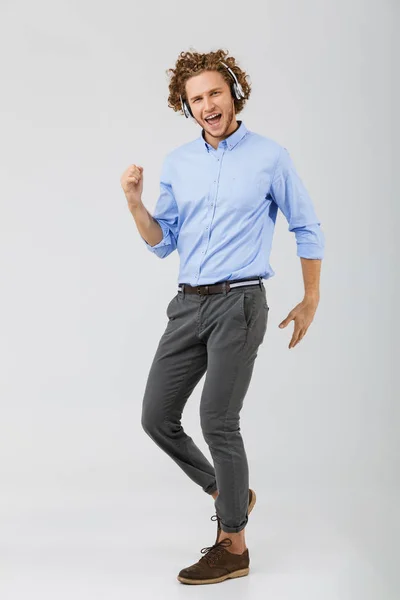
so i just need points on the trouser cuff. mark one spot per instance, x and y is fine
(236, 529)
(212, 489)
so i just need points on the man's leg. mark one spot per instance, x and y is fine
(233, 325)
(179, 363)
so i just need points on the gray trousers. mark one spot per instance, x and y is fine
(218, 334)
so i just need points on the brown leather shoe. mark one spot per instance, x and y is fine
(216, 565)
(252, 501)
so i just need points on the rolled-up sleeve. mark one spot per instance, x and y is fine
(291, 196)
(166, 214)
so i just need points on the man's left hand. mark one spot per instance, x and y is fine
(302, 315)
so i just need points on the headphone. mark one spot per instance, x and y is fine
(236, 88)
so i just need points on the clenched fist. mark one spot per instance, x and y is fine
(132, 184)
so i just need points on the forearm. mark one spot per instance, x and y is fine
(311, 268)
(148, 228)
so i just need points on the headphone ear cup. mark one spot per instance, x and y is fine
(238, 91)
(186, 110)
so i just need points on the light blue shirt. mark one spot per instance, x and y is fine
(218, 207)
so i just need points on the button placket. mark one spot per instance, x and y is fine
(215, 192)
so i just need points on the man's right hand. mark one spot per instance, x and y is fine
(132, 184)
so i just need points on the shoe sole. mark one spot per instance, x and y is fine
(240, 573)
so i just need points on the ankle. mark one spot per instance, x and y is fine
(237, 548)
(238, 542)
(215, 494)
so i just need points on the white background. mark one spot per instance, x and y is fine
(90, 507)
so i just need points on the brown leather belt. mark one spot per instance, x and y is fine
(218, 288)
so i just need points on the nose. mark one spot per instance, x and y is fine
(208, 105)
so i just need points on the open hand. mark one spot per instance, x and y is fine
(302, 315)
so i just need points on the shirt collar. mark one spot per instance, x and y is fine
(229, 142)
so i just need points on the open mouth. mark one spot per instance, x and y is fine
(215, 120)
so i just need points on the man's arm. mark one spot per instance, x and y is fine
(160, 231)
(291, 196)
(303, 313)
(311, 275)
(149, 228)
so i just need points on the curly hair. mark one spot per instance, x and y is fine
(194, 63)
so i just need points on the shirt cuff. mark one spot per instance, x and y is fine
(310, 251)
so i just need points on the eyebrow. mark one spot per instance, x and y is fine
(210, 91)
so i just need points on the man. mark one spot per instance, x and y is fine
(218, 205)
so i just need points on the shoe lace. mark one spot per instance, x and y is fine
(216, 518)
(212, 553)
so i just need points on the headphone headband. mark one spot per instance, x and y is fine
(236, 88)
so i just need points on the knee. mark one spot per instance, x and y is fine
(211, 430)
(150, 422)
(216, 431)
(158, 425)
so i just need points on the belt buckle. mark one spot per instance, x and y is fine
(200, 293)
